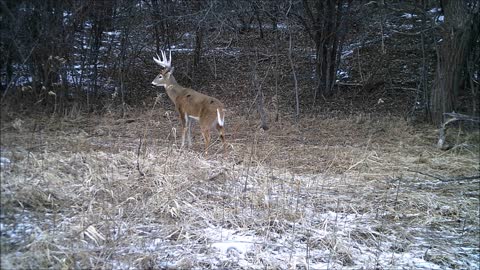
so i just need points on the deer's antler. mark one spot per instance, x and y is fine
(164, 61)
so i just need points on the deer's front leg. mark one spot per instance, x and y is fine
(184, 123)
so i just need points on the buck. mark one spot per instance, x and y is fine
(190, 104)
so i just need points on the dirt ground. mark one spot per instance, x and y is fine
(328, 192)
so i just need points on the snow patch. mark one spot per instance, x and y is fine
(408, 15)
(226, 240)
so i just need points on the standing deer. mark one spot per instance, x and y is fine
(191, 104)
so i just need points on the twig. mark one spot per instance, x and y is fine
(138, 157)
(463, 178)
(427, 174)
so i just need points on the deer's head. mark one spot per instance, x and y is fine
(166, 75)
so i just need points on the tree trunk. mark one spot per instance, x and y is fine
(197, 53)
(260, 97)
(452, 55)
(199, 35)
(325, 24)
(292, 65)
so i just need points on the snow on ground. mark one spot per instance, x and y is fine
(74, 196)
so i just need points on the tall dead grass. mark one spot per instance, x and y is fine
(324, 193)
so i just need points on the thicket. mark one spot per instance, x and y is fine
(414, 58)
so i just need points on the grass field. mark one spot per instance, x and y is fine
(328, 192)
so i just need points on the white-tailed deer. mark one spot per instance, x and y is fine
(191, 104)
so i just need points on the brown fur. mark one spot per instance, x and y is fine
(194, 104)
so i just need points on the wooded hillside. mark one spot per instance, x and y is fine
(409, 58)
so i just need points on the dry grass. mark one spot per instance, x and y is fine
(327, 193)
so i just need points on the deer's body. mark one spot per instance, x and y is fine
(189, 104)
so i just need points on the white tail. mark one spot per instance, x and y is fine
(189, 104)
(220, 118)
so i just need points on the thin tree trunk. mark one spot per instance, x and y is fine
(290, 57)
(276, 101)
(197, 52)
(260, 97)
(156, 26)
(424, 94)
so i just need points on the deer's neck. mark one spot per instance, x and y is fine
(172, 91)
(175, 90)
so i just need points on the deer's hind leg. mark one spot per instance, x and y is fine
(221, 131)
(189, 131)
(206, 137)
(206, 123)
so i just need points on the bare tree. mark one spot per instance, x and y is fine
(324, 23)
(459, 37)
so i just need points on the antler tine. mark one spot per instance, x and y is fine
(163, 61)
(157, 60)
(164, 57)
(169, 59)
